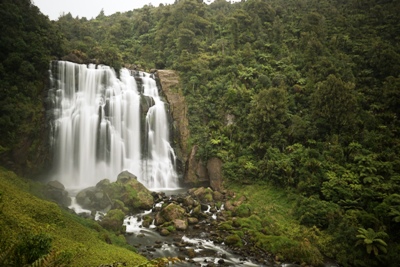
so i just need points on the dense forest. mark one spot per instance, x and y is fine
(303, 95)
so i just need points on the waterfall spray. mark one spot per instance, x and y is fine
(99, 127)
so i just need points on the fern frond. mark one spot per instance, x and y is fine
(5, 255)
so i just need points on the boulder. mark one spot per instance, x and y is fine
(125, 176)
(54, 190)
(126, 194)
(173, 212)
(180, 225)
(113, 221)
(205, 195)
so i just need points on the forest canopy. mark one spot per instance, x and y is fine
(313, 88)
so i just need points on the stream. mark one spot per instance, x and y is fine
(193, 247)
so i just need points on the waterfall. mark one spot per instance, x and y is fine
(102, 125)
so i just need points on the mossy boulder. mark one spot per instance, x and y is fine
(244, 210)
(203, 194)
(113, 221)
(131, 192)
(173, 212)
(126, 194)
(54, 190)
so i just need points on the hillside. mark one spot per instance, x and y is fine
(32, 229)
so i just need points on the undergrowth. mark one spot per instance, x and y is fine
(273, 228)
(36, 232)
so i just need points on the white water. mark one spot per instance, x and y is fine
(97, 130)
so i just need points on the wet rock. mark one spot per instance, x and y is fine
(229, 206)
(192, 220)
(190, 253)
(164, 232)
(125, 176)
(180, 225)
(173, 212)
(113, 221)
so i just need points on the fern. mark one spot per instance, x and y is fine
(52, 259)
(6, 254)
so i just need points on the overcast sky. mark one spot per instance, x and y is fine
(91, 8)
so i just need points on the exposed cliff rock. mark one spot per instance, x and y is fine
(169, 81)
(214, 168)
(196, 171)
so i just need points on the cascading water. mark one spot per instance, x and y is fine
(99, 130)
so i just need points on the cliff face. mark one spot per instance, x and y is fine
(169, 81)
(195, 171)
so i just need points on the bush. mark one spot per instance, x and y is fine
(31, 248)
(312, 211)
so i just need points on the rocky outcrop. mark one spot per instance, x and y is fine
(126, 194)
(196, 172)
(170, 84)
(214, 168)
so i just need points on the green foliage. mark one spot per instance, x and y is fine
(31, 248)
(372, 240)
(233, 240)
(300, 94)
(314, 212)
(27, 44)
(34, 231)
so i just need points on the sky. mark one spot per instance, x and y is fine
(91, 8)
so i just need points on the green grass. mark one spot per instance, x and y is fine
(83, 241)
(273, 226)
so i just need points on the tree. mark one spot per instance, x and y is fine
(372, 240)
(334, 106)
(269, 115)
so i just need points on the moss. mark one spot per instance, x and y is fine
(171, 228)
(243, 210)
(79, 241)
(113, 221)
(233, 240)
(290, 249)
(273, 227)
(225, 226)
(253, 222)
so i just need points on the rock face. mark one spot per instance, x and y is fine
(196, 172)
(126, 194)
(169, 81)
(214, 167)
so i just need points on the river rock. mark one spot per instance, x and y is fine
(173, 212)
(193, 220)
(180, 225)
(203, 194)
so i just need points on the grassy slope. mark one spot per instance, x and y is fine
(273, 227)
(22, 213)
